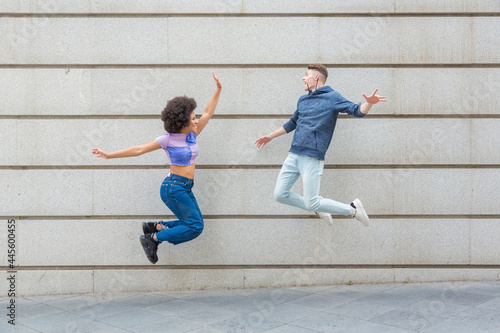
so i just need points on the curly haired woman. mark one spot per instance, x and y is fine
(179, 142)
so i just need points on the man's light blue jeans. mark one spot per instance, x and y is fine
(311, 170)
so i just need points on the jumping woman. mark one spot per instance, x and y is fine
(179, 142)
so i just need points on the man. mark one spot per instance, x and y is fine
(314, 122)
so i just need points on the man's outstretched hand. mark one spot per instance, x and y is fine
(262, 141)
(373, 98)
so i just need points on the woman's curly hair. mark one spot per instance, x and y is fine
(177, 113)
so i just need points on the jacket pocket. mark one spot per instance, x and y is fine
(304, 138)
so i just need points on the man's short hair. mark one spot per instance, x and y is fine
(321, 69)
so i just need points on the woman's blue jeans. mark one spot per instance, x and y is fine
(311, 170)
(176, 194)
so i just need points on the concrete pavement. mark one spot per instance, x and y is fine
(427, 307)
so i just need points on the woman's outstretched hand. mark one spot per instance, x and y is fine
(100, 153)
(216, 78)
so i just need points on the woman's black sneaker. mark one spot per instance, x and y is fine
(149, 227)
(150, 247)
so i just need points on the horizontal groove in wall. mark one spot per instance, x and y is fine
(250, 166)
(243, 66)
(250, 116)
(311, 14)
(252, 217)
(225, 267)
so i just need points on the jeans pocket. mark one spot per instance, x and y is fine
(321, 166)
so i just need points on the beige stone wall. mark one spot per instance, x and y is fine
(98, 73)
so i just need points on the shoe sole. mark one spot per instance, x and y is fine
(361, 210)
(145, 247)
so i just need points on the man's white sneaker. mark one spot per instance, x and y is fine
(360, 213)
(325, 217)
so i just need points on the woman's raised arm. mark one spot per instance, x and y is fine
(210, 109)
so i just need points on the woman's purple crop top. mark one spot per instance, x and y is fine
(181, 148)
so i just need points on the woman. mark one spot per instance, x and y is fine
(179, 142)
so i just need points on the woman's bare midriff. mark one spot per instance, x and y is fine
(183, 170)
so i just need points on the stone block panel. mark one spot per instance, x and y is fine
(243, 40)
(223, 242)
(484, 237)
(54, 282)
(80, 40)
(246, 191)
(145, 91)
(486, 47)
(108, 281)
(45, 91)
(249, 7)
(414, 40)
(367, 141)
(45, 192)
(264, 242)
(248, 40)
